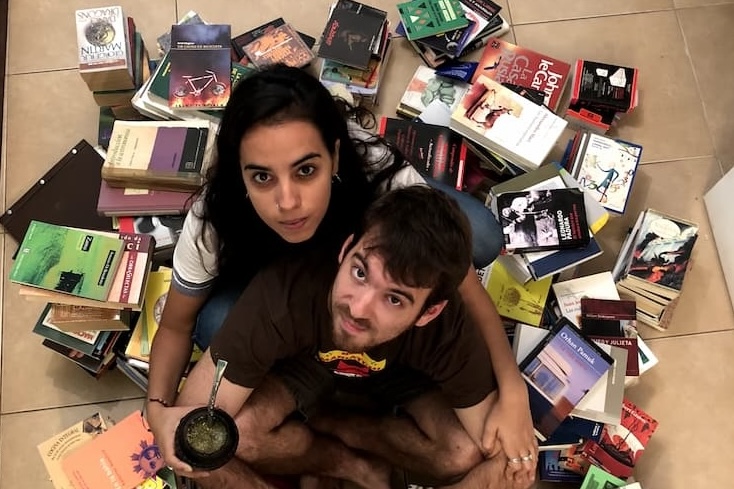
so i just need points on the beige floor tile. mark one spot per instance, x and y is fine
(67, 113)
(689, 393)
(669, 123)
(527, 11)
(48, 30)
(708, 33)
(2, 286)
(698, 3)
(676, 188)
(20, 463)
(34, 377)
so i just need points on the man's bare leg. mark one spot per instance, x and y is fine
(430, 442)
(494, 473)
(270, 445)
(234, 475)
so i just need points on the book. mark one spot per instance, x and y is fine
(559, 372)
(551, 470)
(515, 300)
(612, 322)
(607, 167)
(425, 87)
(164, 40)
(171, 155)
(242, 40)
(67, 260)
(94, 366)
(164, 229)
(280, 44)
(541, 220)
(119, 201)
(349, 37)
(424, 18)
(507, 123)
(49, 200)
(622, 445)
(149, 319)
(54, 449)
(604, 85)
(597, 478)
(506, 62)
(92, 343)
(435, 151)
(570, 293)
(81, 318)
(120, 458)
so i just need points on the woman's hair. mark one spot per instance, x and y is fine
(275, 95)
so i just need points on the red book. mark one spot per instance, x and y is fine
(505, 62)
(114, 201)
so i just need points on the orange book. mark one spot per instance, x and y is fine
(121, 458)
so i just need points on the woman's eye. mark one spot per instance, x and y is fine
(358, 273)
(261, 177)
(306, 170)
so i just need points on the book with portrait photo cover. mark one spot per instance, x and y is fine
(543, 220)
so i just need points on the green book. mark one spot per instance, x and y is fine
(73, 261)
(596, 478)
(425, 18)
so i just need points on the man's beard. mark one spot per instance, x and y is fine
(344, 340)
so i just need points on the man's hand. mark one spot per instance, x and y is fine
(509, 429)
(163, 422)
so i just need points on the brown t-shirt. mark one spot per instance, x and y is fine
(284, 312)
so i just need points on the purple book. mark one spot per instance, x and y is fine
(114, 201)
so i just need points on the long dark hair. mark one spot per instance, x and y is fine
(275, 95)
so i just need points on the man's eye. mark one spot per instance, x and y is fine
(394, 300)
(261, 177)
(358, 273)
(306, 170)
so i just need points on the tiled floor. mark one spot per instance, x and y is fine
(684, 51)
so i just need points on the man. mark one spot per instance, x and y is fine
(380, 327)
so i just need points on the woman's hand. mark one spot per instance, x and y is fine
(509, 428)
(163, 422)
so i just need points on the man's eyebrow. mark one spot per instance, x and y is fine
(306, 157)
(405, 294)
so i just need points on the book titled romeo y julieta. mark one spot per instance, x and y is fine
(542, 220)
(559, 372)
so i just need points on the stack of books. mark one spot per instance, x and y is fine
(355, 46)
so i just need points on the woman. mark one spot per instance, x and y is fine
(289, 174)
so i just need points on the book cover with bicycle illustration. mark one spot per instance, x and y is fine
(200, 66)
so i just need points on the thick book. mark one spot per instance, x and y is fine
(50, 200)
(613, 322)
(165, 155)
(604, 85)
(559, 372)
(200, 66)
(424, 18)
(506, 62)
(435, 151)
(67, 260)
(280, 44)
(121, 458)
(507, 123)
(543, 220)
(349, 37)
(54, 449)
(606, 168)
(622, 445)
(118, 201)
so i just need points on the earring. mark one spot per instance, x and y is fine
(247, 195)
(336, 178)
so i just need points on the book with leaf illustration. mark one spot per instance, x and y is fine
(67, 260)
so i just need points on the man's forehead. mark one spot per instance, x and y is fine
(368, 250)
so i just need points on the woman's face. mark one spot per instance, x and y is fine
(287, 171)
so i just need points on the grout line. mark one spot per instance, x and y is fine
(598, 16)
(80, 404)
(672, 160)
(688, 335)
(52, 70)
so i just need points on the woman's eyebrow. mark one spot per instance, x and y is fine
(255, 166)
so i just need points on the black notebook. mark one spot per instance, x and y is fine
(66, 195)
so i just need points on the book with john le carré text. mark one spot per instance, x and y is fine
(200, 66)
(158, 155)
(543, 220)
(67, 260)
(559, 372)
(435, 151)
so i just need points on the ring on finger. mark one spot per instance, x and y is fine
(515, 460)
(527, 458)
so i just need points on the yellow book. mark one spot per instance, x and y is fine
(514, 300)
(156, 292)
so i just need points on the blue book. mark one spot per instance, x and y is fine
(551, 470)
(559, 372)
(572, 431)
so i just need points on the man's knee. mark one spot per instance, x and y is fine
(456, 457)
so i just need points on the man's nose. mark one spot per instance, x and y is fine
(361, 305)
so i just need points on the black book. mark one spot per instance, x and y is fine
(543, 220)
(349, 37)
(242, 40)
(605, 86)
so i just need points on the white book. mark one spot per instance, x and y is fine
(102, 39)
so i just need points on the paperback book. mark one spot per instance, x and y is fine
(613, 322)
(604, 85)
(425, 87)
(424, 18)
(542, 220)
(349, 37)
(280, 44)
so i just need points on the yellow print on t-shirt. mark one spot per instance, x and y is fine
(360, 358)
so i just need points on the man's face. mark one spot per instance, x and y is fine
(368, 306)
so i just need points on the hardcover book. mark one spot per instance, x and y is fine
(435, 151)
(622, 445)
(200, 66)
(71, 261)
(559, 372)
(507, 123)
(604, 85)
(505, 62)
(54, 449)
(541, 220)
(121, 458)
(424, 18)
(280, 44)
(118, 201)
(349, 37)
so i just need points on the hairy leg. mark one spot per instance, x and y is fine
(494, 473)
(234, 475)
(430, 441)
(270, 443)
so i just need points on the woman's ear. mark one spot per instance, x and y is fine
(335, 157)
